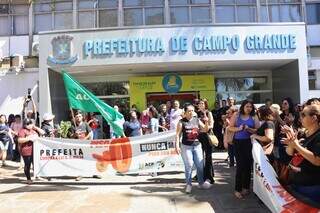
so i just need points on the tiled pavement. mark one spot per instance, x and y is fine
(163, 193)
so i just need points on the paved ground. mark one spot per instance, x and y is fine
(163, 193)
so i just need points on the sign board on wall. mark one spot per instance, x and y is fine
(174, 44)
(139, 86)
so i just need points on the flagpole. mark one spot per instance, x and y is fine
(73, 119)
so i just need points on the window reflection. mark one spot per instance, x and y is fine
(154, 16)
(133, 17)
(313, 13)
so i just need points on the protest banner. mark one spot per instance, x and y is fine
(267, 187)
(55, 157)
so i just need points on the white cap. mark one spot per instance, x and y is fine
(48, 117)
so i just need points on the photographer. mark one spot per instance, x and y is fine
(31, 114)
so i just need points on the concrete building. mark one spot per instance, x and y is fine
(148, 51)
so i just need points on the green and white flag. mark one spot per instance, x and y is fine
(82, 99)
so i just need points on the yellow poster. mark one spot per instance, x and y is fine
(171, 84)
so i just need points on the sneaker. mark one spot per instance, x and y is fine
(29, 182)
(188, 189)
(79, 178)
(205, 185)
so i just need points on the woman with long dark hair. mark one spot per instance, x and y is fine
(27, 136)
(265, 133)
(204, 114)
(288, 118)
(191, 152)
(243, 124)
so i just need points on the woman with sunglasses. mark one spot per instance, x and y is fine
(304, 175)
(26, 137)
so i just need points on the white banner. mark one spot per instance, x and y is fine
(267, 187)
(67, 157)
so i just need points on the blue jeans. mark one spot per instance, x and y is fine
(190, 155)
(95, 133)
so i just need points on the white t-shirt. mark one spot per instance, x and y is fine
(175, 117)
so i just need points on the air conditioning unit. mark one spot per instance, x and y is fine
(35, 49)
(4, 8)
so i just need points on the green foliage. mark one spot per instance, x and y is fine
(64, 128)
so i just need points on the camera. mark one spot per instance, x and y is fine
(29, 93)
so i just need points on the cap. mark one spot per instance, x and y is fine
(48, 116)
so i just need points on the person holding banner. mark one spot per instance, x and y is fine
(191, 152)
(80, 130)
(132, 127)
(26, 137)
(243, 124)
(304, 173)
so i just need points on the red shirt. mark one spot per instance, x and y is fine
(26, 149)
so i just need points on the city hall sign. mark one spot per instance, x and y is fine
(129, 47)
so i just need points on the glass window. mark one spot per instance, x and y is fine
(40, 7)
(108, 18)
(20, 9)
(62, 6)
(154, 2)
(274, 13)
(241, 84)
(200, 1)
(246, 1)
(255, 88)
(225, 14)
(86, 19)
(133, 17)
(85, 4)
(313, 13)
(42, 22)
(4, 25)
(246, 14)
(130, 3)
(179, 15)
(221, 2)
(154, 16)
(178, 2)
(108, 88)
(200, 15)
(20, 25)
(108, 3)
(20, 19)
(62, 21)
(281, 10)
(290, 13)
(264, 15)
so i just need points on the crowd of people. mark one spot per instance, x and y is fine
(289, 135)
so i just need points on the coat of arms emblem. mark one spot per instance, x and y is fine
(61, 50)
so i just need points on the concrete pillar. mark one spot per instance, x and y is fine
(317, 72)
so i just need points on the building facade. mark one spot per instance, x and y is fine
(128, 51)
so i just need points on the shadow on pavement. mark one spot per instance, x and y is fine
(33, 188)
